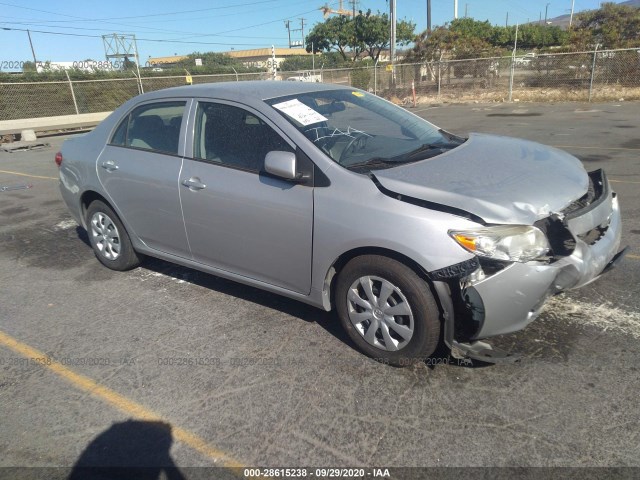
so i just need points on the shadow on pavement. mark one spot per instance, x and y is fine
(131, 450)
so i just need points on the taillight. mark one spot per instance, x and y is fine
(59, 158)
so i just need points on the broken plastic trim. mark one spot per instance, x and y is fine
(558, 235)
(8, 188)
(598, 189)
(484, 352)
(426, 204)
(458, 270)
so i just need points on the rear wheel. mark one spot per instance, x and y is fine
(109, 239)
(387, 310)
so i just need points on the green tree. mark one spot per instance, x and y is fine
(334, 34)
(212, 62)
(463, 38)
(29, 67)
(372, 31)
(611, 26)
(367, 33)
(305, 62)
(431, 46)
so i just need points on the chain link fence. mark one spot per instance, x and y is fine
(598, 75)
(585, 76)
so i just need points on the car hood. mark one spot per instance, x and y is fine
(500, 179)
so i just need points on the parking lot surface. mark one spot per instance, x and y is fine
(240, 376)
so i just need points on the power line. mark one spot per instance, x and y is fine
(127, 25)
(137, 16)
(138, 39)
(264, 23)
(181, 32)
(102, 30)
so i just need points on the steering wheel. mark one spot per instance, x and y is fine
(359, 140)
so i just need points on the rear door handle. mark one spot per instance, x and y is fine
(109, 165)
(194, 184)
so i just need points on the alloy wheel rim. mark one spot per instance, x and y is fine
(380, 313)
(105, 236)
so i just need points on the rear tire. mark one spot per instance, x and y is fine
(387, 310)
(109, 239)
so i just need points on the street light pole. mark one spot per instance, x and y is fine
(573, 2)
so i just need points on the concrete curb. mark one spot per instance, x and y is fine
(46, 124)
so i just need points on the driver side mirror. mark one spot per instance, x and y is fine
(282, 164)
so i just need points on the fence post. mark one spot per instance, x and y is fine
(439, 75)
(512, 71)
(73, 94)
(593, 70)
(375, 77)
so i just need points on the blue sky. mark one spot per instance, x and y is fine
(166, 27)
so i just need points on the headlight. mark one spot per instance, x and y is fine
(518, 243)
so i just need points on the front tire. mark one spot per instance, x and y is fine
(387, 310)
(109, 239)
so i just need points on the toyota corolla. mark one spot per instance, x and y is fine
(335, 197)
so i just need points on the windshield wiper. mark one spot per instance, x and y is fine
(373, 162)
(432, 149)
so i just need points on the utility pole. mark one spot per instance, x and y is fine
(428, 17)
(573, 2)
(455, 9)
(295, 43)
(506, 24)
(466, 10)
(513, 64)
(287, 24)
(392, 39)
(33, 52)
(546, 11)
(121, 46)
(392, 34)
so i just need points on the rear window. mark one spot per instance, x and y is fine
(153, 127)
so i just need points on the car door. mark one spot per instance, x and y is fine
(139, 170)
(238, 218)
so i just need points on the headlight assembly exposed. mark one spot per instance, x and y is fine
(515, 243)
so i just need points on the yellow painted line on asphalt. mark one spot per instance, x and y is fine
(118, 401)
(623, 181)
(27, 175)
(598, 148)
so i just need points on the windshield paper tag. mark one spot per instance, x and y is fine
(300, 112)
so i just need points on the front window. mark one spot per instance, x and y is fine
(360, 131)
(234, 137)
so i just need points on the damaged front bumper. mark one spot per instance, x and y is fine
(498, 299)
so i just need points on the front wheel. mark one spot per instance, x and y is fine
(109, 239)
(387, 310)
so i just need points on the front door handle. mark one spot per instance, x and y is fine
(109, 165)
(194, 184)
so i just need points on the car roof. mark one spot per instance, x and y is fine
(256, 90)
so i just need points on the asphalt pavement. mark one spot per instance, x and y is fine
(188, 370)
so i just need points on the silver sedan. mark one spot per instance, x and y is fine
(332, 196)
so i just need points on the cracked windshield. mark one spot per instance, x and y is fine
(362, 132)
